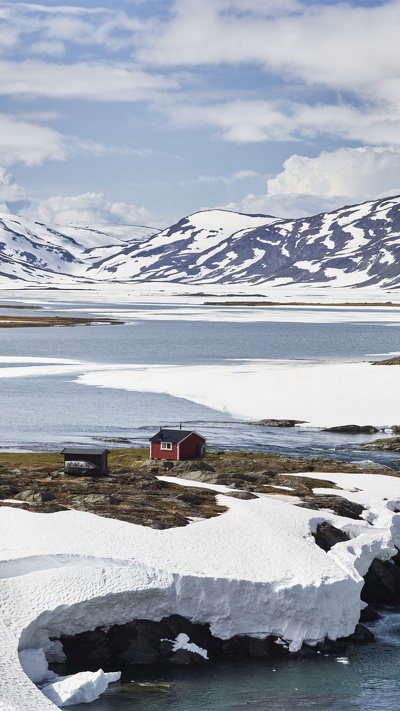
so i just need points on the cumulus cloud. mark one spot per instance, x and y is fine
(363, 173)
(90, 209)
(310, 185)
(12, 196)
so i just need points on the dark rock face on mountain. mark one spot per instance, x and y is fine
(355, 246)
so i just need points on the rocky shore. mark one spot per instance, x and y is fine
(133, 492)
(41, 321)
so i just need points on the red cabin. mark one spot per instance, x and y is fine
(177, 445)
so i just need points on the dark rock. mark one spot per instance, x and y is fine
(268, 474)
(390, 444)
(369, 614)
(278, 423)
(93, 499)
(140, 642)
(116, 440)
(388, 361)
(35, 496)
(87, 649)
(242, 495)
(184, 657)
(337, 504)
(326, 536)
(244, 647)
(352, 429)
(361, 635)
(7, 492)
(382, 583)
(192, 499)
(193, 466)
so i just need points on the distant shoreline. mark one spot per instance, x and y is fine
(303, 303)
(48, 321)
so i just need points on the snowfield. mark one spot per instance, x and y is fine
(254, 570)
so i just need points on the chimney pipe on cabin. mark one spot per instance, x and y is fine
(161, 432)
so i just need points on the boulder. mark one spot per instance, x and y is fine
(389, 444)
(278, 423)
(35, 496)
(352, 429)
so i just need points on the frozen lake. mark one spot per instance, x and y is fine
(63, 386)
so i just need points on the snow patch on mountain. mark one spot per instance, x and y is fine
(354, 246)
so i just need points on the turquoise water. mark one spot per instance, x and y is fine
(367, 679)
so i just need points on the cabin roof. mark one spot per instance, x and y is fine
(84, 450)
(175, 436)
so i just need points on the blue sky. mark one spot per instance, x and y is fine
(143, 111)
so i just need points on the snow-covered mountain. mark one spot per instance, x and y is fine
(357, 245)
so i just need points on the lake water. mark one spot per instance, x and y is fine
(367, 679)
(50, 411)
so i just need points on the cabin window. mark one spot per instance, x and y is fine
(166, 445)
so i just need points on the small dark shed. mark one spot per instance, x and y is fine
(86, 461)
(177, 445)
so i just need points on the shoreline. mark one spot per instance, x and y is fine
(52, 321)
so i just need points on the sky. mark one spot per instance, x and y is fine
(145, 111)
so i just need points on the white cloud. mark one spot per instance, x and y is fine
(335, 45)
(307, 186)
(29, 143)
(23, 23)
(11, 194)
(52, 48)
(88, 81)
(259, 120)
(24, 140)
(358, 173)
(238, 175)
(88, 209)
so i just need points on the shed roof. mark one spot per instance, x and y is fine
(84, 450)
(175, 436)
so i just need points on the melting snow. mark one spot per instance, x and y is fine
(265, 576)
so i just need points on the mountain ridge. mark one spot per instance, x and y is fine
(356, 245)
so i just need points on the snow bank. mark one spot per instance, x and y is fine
(254, 570)
(81, 688)
(322, 394)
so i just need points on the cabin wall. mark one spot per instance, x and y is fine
(190, 448)
(157, 453)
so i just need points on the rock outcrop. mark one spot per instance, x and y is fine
(352, 429)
